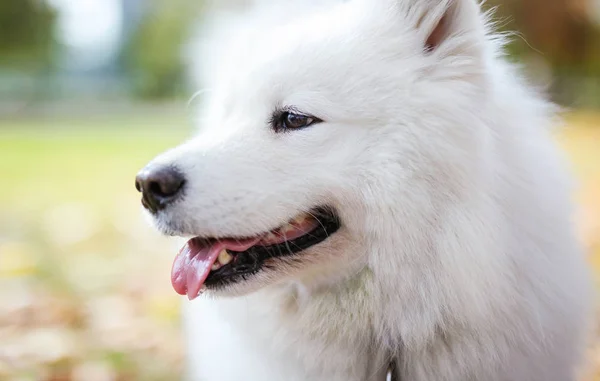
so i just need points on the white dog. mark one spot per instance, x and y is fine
(374, 195)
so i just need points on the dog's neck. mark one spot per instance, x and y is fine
(300, 298)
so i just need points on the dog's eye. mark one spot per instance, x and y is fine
(293, 121)
(297, 121)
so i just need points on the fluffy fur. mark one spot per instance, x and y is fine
(457, 253)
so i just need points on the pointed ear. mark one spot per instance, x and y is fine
(439, 20)
(438, 30)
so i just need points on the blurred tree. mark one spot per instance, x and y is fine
(561, 29)
(153, 55)
(26, 34)
(563, 33)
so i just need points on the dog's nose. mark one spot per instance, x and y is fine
(159, 185)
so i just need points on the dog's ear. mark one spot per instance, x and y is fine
(437, 21)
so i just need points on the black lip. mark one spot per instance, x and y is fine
(251, 261)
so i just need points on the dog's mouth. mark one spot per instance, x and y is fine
(212, 263)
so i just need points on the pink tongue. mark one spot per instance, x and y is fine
(195, 260)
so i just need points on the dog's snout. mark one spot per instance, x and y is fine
(159, 185)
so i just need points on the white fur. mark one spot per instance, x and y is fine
(457, 252)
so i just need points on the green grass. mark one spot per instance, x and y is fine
(42, 166)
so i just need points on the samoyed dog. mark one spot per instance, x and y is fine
(374, 194)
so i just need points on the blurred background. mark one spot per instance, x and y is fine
(90, 90)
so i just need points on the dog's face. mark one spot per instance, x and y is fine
(312, 129)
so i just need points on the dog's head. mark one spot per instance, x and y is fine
(321, 134)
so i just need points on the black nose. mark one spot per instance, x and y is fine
(160, 186)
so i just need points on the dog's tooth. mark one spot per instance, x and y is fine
(271, 236)
(300, 219)
(225, 257)
(216, 266)
(288, 228)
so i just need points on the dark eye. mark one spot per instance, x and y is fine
(292, 121)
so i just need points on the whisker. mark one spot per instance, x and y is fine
(196, 95)
(287, 244)
(318, 220)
